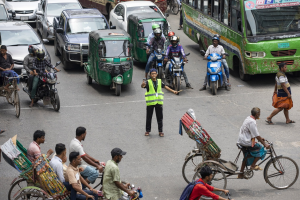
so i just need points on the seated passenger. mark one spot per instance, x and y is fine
(57, 161)
(156, 42)
(6, 66)
(34, 150)
(90, 172)
(28, 65)
(74, 178)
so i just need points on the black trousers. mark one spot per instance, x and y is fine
(159, 117)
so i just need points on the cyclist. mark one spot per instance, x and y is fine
(202, 188)
(176, 50)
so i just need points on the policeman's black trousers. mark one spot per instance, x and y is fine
(159, 117)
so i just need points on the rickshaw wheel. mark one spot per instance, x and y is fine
(219, 179)
(9, 97)
(16, 103)
(31, 194)
(16, 186)
(118, 90)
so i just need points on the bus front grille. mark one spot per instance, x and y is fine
(288, 62)
(290, 52)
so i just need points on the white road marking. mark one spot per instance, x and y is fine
(139, 101)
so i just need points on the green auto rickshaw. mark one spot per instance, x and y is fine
(139, 27)
(109, 62)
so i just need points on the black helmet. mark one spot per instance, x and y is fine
(40, 54)
(174, 38)
(31, 49)
(157, 33)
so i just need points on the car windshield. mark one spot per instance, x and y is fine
(3, 16)
(272, 20)
(85, 25)
(19, 37)
(146, 29)
(115, 48)
(55, 9)
(141, 9)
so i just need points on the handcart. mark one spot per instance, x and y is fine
(280, 172)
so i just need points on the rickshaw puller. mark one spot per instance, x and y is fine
(176, 50)
(155, 42)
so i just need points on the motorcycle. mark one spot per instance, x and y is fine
(158, 63)
(46, 90)
(214, 71)
(175, 71)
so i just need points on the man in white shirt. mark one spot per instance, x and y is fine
(248, 133)
(216, 48)
(89, 173)
(56, 161)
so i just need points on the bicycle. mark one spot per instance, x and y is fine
(277, 166)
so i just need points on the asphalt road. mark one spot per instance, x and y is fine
(155, 163)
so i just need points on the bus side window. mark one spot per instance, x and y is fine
(236, 20)
(225, 12)
(199, 5)
(207, 7)
(216, 10)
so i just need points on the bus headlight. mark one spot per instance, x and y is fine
(255, 54)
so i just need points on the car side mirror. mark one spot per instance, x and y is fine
(45, 40)
(113, 27)
(13, 14)
(120, 18)
(58, 63)
(40, 13)
(202, 52)
(59, 30)
(130, 45)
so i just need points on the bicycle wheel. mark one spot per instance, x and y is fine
(281, 173)
(16, 187)
(189, 166)
(218, 181)
(175, 7)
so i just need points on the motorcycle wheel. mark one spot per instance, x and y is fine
(213, 86)
(56, 103)
(160, 73)
(177, 83)
(118, 90)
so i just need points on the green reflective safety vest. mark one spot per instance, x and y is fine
(152, 97)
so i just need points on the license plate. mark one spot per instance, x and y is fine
(283, 45)
(24, 18)
(213, 65)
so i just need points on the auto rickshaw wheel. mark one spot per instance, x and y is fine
(118, 89)
(89, 79)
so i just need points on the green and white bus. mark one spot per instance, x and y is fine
(257, 34)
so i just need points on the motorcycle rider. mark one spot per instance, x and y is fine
(176, 50)
(216, 48)
(170, 35)
(28, 60)
(39, 64)
(156, 42)
(151, 35)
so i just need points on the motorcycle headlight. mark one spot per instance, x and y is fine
(51, 81)
(214, 70)
(214, 58)
(72, 47)
(159, 57)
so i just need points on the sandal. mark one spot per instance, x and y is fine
(147, 133)
(269, 122)
(161, 134)
(290, 122)
(2, 131)
(256, 168)
(242, 177)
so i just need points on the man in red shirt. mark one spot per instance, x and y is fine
(202, 188)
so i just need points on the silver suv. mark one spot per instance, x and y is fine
(25, 9)
(17, 36)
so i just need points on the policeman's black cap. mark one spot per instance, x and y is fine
(117, 152)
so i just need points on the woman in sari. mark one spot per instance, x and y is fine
(282, 99)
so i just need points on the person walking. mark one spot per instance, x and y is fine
(282, 99)
(180, 18)
(154, 99)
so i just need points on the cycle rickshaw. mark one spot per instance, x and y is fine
(280, 172)
(12, 94)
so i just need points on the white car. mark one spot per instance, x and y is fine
(118, 16)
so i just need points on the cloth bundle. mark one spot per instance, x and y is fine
(195, 131)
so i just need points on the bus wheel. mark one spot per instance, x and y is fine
(296, 74)
(201, 47)
(238, 66)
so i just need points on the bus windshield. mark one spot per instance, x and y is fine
(272, 20)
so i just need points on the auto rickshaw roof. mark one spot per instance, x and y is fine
(109, 34)
(136, 17)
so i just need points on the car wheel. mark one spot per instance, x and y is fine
(56, 52)
(67, 65)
